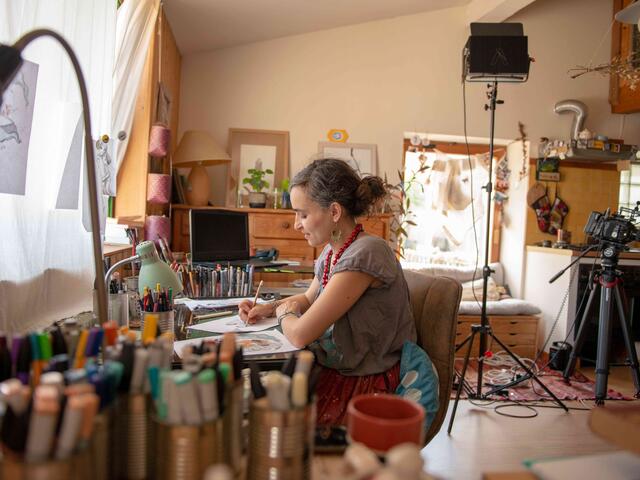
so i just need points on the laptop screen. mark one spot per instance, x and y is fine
(218, 235)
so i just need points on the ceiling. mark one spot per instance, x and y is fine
(201, 25)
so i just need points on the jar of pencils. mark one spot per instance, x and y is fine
(150, 322)
(280, 441)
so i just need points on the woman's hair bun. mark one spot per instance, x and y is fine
(370, 190)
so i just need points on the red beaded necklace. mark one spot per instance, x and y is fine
(327, 261)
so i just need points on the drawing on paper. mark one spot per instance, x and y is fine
(16, 115)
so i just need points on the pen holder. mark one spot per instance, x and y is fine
(134, 301)
(100, 448)
(131, 438)
(232, 426)
(119, 308)
(186, 451)
(280, 442)
(16, 468)
(165, 321)
(81, 466)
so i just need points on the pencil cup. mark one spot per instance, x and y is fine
(164, 320)
(232, 426)
(131, 438)
(134, 300)
(81, 466)
(100, 448)
(280, 442)
(17, 469)
(184, 452)
(119, 308)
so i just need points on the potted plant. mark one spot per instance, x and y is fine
(257, 198)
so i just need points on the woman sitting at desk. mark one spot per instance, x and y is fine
(356, 315)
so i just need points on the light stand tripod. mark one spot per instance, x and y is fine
(608, 279)
(484, 329)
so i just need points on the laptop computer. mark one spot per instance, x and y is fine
(222, 237)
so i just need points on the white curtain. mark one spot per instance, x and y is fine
(46, 261)
(135, 24)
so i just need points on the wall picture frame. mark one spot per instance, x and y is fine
(362, 157)
(268, 148)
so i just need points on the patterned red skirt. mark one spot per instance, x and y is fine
(334, 391)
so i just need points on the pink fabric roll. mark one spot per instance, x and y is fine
(158, 188)
(159, 140)
(156, 226)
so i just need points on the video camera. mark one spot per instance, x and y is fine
(618, 228)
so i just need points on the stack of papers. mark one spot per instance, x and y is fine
(253, 344)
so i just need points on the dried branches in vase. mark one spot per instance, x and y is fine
(627, 70)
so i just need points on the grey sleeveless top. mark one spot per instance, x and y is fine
(368, 338)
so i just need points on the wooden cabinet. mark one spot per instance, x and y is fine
(518, 332)
(131, 194)
(625, 39)
(270, 228)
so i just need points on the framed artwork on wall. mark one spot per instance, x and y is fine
(264, 149)
(362, 157)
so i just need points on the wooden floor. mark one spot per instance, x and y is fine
(484, 441)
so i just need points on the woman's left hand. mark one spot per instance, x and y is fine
(288, 307)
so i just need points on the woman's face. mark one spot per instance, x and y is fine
(312, 220)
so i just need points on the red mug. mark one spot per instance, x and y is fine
(382, 421)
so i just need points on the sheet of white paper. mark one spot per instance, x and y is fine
(617, 465)
(216, 303)
(234, 324)
(259, 343)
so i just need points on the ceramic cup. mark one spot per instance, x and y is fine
(382, 421)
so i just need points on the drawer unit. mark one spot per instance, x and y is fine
(269, 228)
(518, 332)
(264, 225)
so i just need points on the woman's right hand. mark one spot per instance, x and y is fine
(250, 313)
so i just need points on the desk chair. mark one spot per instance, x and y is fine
(435, 302)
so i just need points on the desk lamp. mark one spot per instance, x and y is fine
(152, 271)
(10, 63)
(197, 149)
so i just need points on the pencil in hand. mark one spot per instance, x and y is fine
(255, 300)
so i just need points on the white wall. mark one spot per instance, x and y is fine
(514, 221)
(379, 79)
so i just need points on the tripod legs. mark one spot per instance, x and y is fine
(604, 340)
(469, 339)
(580, 337)
(631, 348)
(529, 374)
(604, 334)
(486, 330)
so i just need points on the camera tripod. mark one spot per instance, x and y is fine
(608, 279)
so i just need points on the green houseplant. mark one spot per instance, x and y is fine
(257, 198)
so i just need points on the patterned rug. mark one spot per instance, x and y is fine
(578, 388)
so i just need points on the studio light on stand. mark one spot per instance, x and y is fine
(10, 63)
(495, 52)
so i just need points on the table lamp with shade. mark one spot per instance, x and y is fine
(197, 149)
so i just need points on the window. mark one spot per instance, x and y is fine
(445, 208)
(630, 187)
